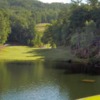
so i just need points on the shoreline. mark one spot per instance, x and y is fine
(61, 56)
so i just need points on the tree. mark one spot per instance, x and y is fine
(4, 26)
(93, 2)
(22, 28)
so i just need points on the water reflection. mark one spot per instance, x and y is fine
(41, 81)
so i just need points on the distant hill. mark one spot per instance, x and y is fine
(41, 12)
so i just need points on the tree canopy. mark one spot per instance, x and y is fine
(19, 17)
(77, 27)
(4, 26)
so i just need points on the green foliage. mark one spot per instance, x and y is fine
(4, 26)
(24, 15)
(22, 28)
(58, 31)
(40, 28)
(78, 17)
(93, 3)
(78, 27)
(85, 37)
(41, 12)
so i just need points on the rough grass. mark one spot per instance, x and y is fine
(41, 27)
(24, 53)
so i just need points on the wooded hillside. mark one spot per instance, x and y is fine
(19, 17)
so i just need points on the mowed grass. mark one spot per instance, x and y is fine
(25, 53)
(97, 97)
(17, 53)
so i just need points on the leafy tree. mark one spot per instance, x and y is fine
(22, 28)
(93, 2)
(4, 26)
(38, 9)
(79, 28)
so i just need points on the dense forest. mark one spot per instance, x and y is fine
(41, 12)
(78, 27)
(19, 17)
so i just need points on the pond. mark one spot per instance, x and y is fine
(40, 80)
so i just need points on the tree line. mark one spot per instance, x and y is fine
(19, 17)
(41, 12)
(77, 27)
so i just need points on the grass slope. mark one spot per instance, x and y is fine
(22, 53)
(41, 27)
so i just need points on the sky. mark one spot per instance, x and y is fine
(50, 1)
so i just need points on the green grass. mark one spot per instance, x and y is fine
(17, 53)
(41, 27)
(97, 97)
(22, 53)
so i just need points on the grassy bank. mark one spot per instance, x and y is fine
(41, 27)
(21, 53)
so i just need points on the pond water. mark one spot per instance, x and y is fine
(43, 81)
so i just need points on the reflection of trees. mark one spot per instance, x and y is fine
(43, 76)
(15, 75)
(4, 77)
